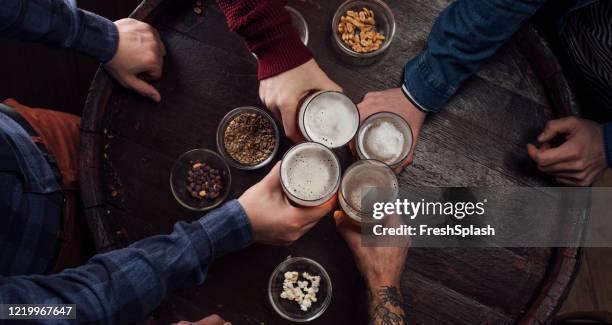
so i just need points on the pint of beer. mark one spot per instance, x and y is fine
(329, 118)
(386, 137)
(366, 182)
(310, 174)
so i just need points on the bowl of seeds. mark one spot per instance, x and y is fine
(248, 138)
(200, 180)
(363, 29)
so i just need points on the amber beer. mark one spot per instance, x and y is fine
(329, 118)
(385, 137)
(370, 178)
(310, 174)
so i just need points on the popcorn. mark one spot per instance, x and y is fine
(302, 292)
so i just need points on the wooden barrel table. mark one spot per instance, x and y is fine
(129, 145)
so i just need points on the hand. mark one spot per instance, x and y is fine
(274, 220)
(394, 101)
(139, 57)
(382, 268)
(576, 162)
(210, 320)
(283, 93)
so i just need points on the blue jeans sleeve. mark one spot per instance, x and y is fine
(125, 285)
(59, 23)
(465, 34)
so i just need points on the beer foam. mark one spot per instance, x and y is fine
(385, 137)
(310, 172)
(331, 119)
(384, 141)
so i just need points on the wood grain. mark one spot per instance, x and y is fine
(479, 140)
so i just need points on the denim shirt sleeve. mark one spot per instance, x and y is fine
(123, 286)
(59, 23)
(465, 34)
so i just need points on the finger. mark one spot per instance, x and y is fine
(559, 126)
(143, 88)
(155, 71)
(211, 320)
(312, 215)
(552, 156)
(562, 167)
(291, 130)
(348, 231)
(328, 84)
(566, 181)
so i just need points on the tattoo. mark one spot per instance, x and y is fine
(386, 307)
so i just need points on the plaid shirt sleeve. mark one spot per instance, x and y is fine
(59, 23)
(125, 285)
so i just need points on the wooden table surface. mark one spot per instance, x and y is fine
(129, 145)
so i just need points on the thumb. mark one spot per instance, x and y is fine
(559, 126)
(348, 231)
(143, 88)
(272, 180)
(290, 127)
(328, 84)
(312, 215)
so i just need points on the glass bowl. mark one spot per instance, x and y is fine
(385, 24)
(179, 182)
(290, 310)
(221, 136)
(298, 21)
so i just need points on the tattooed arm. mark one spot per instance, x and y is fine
(382, 269)
(386, 306)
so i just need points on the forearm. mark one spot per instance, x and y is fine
(465, 34)
(59, 23)
(123, 286)
(385, 303)
(268, 31)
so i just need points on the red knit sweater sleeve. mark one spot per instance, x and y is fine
(266, 27)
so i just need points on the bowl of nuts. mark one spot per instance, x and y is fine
(248, 138)
(300, 289)
(363, 29)
(200, 180)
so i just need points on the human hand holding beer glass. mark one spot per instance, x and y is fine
(274, 219)
(282, 93)
(394, 101)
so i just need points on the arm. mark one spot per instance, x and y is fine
(59, 23)
(123, 286)
(465, 34)
(287, 69)
(131, 51)
(385, 303)
(382, 269)
(266, 27)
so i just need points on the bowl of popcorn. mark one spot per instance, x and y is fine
(363, 28)
(300, 289)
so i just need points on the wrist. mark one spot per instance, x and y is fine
(378, 281)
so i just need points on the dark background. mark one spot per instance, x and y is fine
(44, 77)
